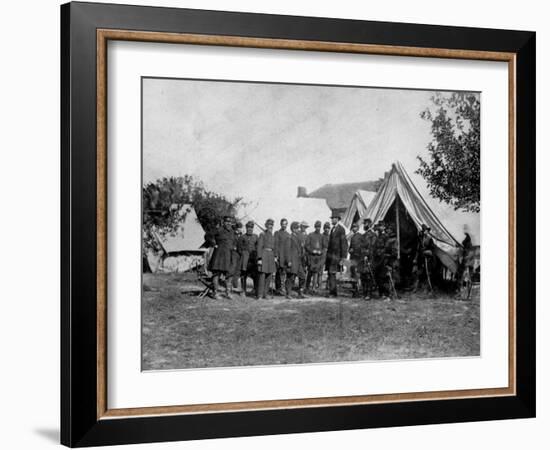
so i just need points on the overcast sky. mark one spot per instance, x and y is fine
(259, 140)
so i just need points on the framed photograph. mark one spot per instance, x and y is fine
(276, 224)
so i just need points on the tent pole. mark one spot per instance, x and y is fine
(397, 228)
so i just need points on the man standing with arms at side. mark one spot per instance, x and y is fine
(293, 261)
(302, 274)
(356, 256)
(367, 267)
(314, 253)
(247, 249)
(266, 259)
(223, 240)
(281, 244)
(336, 253)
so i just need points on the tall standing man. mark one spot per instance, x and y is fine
(293, 261)
(337, 252)
(302, 274)
(355, 256)
(314, 253)
(367, 270)
(281, 244)
(266, 259)
(247, 245)
(326, 236)
(223, 240)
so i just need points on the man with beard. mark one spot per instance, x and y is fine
(337, 252)
(314, 249)
(281, 244)
(223, 240)
(355, 256)
(293, 261)
(247, 244)
(266, 259)
(367, 271)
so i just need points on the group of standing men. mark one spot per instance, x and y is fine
(275, 260)
(278, 258)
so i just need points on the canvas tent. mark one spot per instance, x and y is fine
(180, 250)
(291, 208)
(399, 201)
(357, 207)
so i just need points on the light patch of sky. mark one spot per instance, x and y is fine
(259, 140)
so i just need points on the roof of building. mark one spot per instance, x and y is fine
(339, 196)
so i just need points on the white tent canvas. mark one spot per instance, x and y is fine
(180, 250)
(358, 206)
(397, 183)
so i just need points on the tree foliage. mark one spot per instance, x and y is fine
(453, 170)
(162, 201)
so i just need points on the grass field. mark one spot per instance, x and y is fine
(184, 331)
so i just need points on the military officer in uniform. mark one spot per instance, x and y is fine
(293, 262)
(392, 260)
(314, 249)
(355, 256)
(380, 269)
(302, 274)
(266, 259)
(326, 236)
(367, 271)
(247, 244)
(424, 257)
(234, 274)
(337, 252)
(223, 240)
(281, 237)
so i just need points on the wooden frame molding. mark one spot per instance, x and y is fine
(103, 36)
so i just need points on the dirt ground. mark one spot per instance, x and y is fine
(181, 330)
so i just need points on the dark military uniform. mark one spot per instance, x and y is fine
(392, 262)
(314, 248)
(356, 257)
(281, 238)
(248, 267)
(336, 252)
(302, 236)
(224, 242)
(266, 261)
(425, 258)
(367, 270)
(293, 262)
(380, 269)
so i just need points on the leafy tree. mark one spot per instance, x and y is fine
(453, 170)
(162, 201)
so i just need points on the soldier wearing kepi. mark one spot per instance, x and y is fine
(234, 274)
(337, 252)
(223, 240)
(247, 244)
(326, 236)
(266, 259)
(302, 274)
(355, 256)
(293, 261)
(281, 237)
(367, 271)
(314, 249)
(380, 270)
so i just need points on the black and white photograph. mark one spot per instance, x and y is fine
(299, 224)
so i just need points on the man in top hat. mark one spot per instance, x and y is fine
(337, 252)
(223, 241)
(366, 268)
(293, 261)
(247, 244)
(281, 244)
(355, 256)
(314, 249)
(266, 259)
